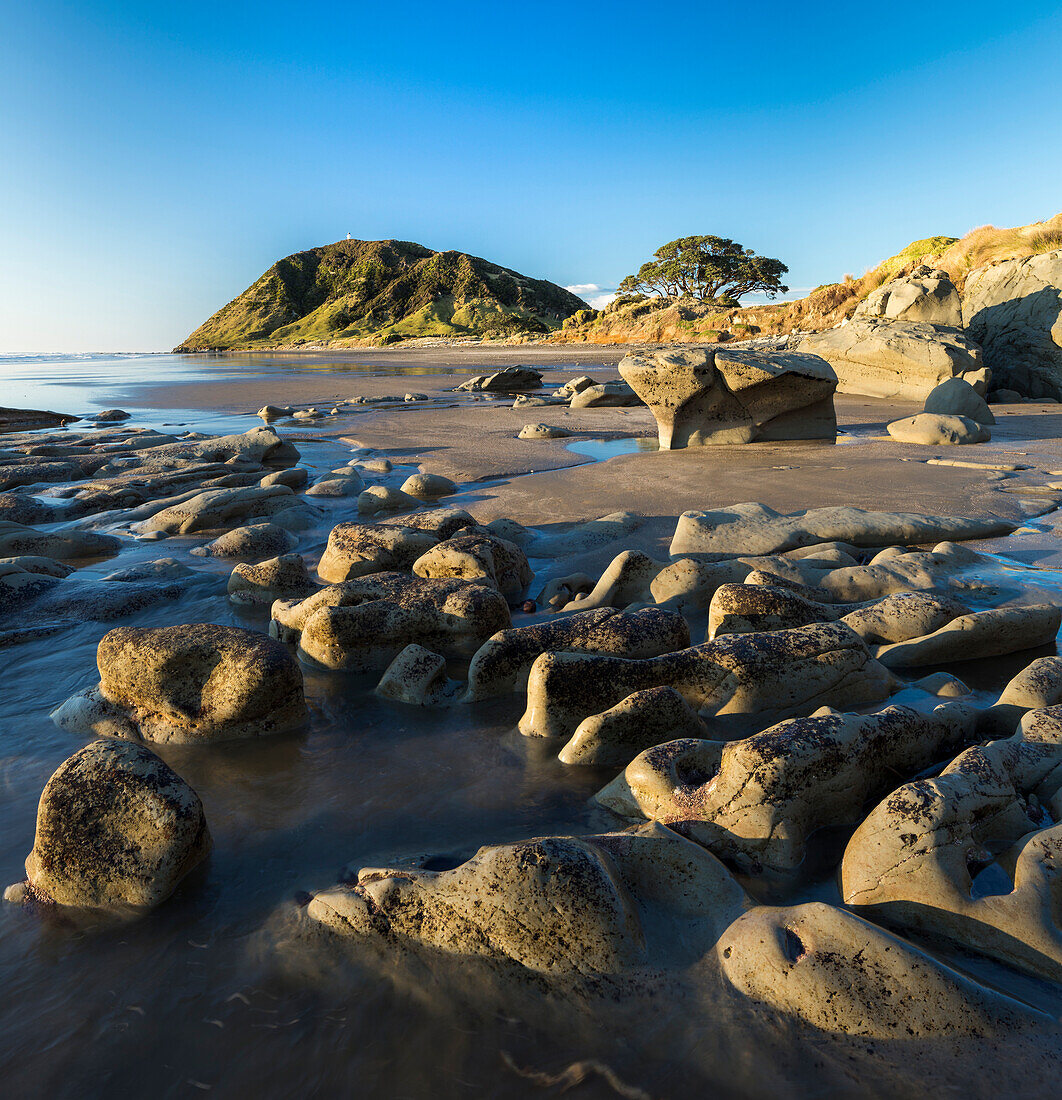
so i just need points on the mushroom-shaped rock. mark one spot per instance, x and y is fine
(820, 964)
(116, 829)
(974, 854)
(936, 430)
(756, 801)
(257, 540)
(991, 633)
(503, 662)
(781, 673)
(644, 719)
(282, 578)
(189, 684)
(494, 561)
(364, 624)
(359, 549)
(428, 486)
(712, 396)
(556, 906)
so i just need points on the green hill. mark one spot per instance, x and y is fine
(377, 292)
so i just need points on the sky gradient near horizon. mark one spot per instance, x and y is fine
(155, 160)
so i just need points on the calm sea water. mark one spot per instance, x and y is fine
(211, 993)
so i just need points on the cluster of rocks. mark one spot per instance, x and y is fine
(918, 331)
(763, 685)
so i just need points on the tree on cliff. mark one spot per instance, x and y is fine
(708, 269)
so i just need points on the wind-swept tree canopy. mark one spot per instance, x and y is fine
(706, 269)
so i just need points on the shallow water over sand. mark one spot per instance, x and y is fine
(214, 991)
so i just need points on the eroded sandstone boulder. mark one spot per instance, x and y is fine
(190, 684)
(258, 540)
(605, 395)
(416, 676)
(479, 557)
(897, 359)
(359, 549)
(1013, 310)
(282, 578)
(17, 540)
(817, 963)
(722, 396)
(502, 664)
(753, 528)
(973, 854)
(506, 380)
(756, 801)
(116, 829)
(781, 673)
(957, 397)
(925, 294)
(364, 624)
(220, 508)
(555, 906)
(937, 430)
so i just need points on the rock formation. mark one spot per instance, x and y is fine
(717, 396)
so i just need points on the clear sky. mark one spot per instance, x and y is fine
(156, 158)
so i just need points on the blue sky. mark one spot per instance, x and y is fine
(155, 159)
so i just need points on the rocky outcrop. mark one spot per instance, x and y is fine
(925, 294)
(1013, 310)
(720, 396)
(360, 549)
(957, 397)
(116, 829)
(282, 578)
(189, 684)
(506, 380)
(602, 395)
(896, 359)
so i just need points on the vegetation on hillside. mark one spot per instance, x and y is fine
(379, 292)
(652, 320)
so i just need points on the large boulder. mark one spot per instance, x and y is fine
(502, 663)
(972, 854)
(777, 674)
(898, 359)
(359, 549)
(756, 801)
(753, 528)
(555, 906)
(957, 397)
(936, 430)
(1014, 311)
(364, 624)
(506, 380)
(188, 684)
(116, 829)
(819, 964)
(217, 509)
(602, 395)
(17, 540)
(714, 396)
(926, 294)
(473, 557)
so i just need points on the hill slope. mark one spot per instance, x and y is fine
(370, 292)
(659, 320)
